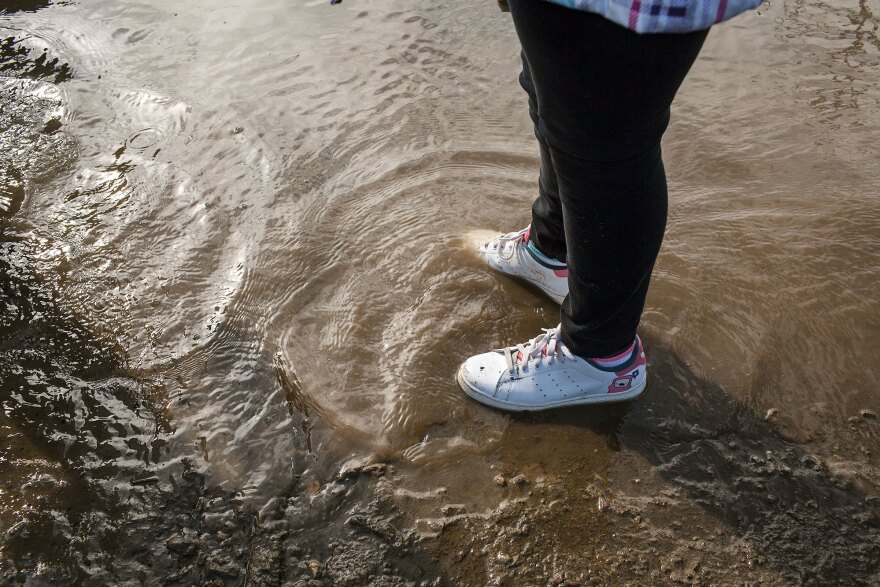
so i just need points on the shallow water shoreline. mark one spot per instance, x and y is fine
(230, 235)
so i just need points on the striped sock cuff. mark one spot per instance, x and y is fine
(543, 259)
(618, 359)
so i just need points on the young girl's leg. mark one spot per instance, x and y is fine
(547, 230)
(600, 97)
(603, 96)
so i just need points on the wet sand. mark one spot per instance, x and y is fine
(237, 282)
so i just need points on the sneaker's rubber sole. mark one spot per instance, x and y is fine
(534, 283)
(527, 279)
(474, 239)
(609, 398)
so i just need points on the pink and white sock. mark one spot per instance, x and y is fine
(616, 360)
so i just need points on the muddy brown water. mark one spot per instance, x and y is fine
(237, 282)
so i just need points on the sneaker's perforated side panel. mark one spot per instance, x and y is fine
(507, 254)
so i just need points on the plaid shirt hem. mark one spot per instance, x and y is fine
(664, 16)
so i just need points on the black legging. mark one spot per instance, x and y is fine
(599, 95)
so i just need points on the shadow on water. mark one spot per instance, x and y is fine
(803, 522)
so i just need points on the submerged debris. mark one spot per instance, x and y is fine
(378, 526)
(361, 466)
(184, 544)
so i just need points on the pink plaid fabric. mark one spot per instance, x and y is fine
(664, 16)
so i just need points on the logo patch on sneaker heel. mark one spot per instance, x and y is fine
(621, 384)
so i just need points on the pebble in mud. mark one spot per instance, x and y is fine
(314, 567)
(182, 544)
(771, 415)
(360, 466)
(868, 414)
(453, 509)
(378, 526)
(500, 481)
(222, 567)
(376, 469)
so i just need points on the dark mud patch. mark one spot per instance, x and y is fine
(10, 6)
(19, 57)
(71, 415)
(91, 492)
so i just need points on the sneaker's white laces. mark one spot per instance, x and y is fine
(545, 346)
(510, 237)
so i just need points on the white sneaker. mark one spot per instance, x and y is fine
(509, 253)
(543, 374)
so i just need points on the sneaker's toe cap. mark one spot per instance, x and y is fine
(489, 254)
(481, 373)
